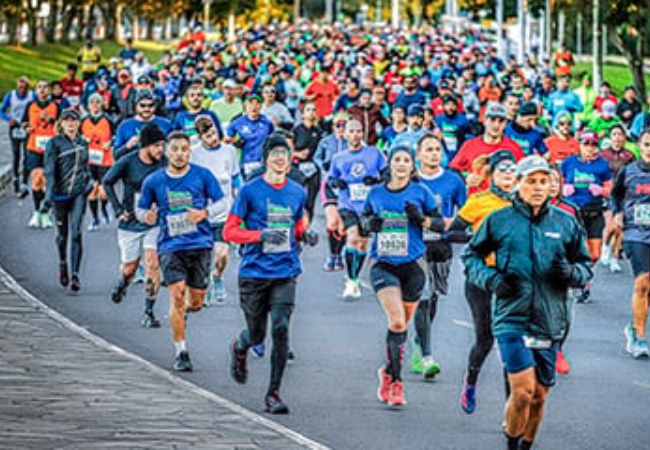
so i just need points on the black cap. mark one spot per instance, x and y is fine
(500, 155)
(415, 110)
(449, 98)
(274, 141)
(527, 109)
(69, 113)
(144, 94)
(151, 134)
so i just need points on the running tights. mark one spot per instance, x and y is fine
(69, 217)
(479, 302)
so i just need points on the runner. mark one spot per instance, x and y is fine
(68, 182)
(450, 194)
(185, 120)
(133, 237)
(631, 209)
(453, 126)
(38, 122)
(271, 210)
(353, 173)
(97, 129)
(181, 198)
(472, 214)
(524, 133)
(307, 135)
(539, 252)
(223, 161)
(561, 144)
(397, 212)
(12, 110)
(229, 106)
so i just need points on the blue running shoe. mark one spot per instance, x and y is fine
(259, 350)
(468, 397)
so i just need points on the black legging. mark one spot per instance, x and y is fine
(17, 163)
(312, 185)
(479, 302)
(69, 217)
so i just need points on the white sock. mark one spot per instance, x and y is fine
(180, 347)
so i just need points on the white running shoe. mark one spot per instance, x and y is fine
(352, 289)
(35, 220)
(614, 266)
(46, 221)
(606, 255)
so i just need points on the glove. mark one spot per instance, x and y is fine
(560, 272)
(239, 142)
(504, 285)
(437, 222)
(414, 213)
(369, 223)
(310, 238)
(337, 183)
(596, 189)
(371, 181)
(45, 207)
(274, 237)
(568, 190)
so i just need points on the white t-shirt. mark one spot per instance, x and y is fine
(223, 162)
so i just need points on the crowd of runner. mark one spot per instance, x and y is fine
(408, 141)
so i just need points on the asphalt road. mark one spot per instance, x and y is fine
(331, 387)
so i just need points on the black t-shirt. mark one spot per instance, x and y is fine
(307, 138)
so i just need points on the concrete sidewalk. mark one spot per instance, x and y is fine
(63, 387)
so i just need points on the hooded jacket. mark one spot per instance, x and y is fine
(67, 173)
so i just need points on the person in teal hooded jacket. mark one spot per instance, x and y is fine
(540, 253)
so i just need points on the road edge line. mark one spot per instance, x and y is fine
(23, 293)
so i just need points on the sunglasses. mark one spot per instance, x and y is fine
(146, 105)
(340, 124)
(564, 123)
(590, 143)
(506, 167)
(269, 91)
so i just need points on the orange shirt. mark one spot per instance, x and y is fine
(98, 131)
(325, 94)
(40, 117)
(560, 149)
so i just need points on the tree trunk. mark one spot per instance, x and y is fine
(68, 17)
(150, 26)
(50, 30)
(33, 27)
(634, 55)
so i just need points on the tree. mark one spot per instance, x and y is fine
(627, 22)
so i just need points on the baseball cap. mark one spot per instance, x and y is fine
(253, 96)
(276, 140)
(143, 94)
(527, 109)
(499, 156)
(69, 113)
(589, 137)
(230, 84)
(532, 164)
(449, 98)
(415, 110)
(609, 108)
(444, 84)
(495, 110)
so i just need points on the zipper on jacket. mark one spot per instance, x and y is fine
(74, 169)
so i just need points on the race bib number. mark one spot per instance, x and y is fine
(642, 215)
(392, 243)
(451, 142)
(95, 157)
(268, 248)
(41, 142)
(18, 133)
(179, 224)
(359, 192)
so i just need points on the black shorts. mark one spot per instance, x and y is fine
(594, 222)
(98, 172)
(639, 255)
(217, 232)
(260, 296)
(410, 278)
(349, 217)
(439, 251)
(191, 266)
(516, 357)
(34, 160)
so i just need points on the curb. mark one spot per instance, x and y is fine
(13, 285)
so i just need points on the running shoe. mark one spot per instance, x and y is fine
(416, 358)
(218, 290)
(329, 264)
(291, 356)
(75, 283)
(605, 255)
(583, 295)
(615, 266)
(23, 192)
(430, 368)
(35, 220)
(383, 391)
(338, 263)
(562, 365)
(630, 337)
(259, 350)
(273, 404)
(149, 320)
(640, 348)
(64, 278)
(139, 275)
(46, 221)
(468, 397)
(119, 291)
(352, 290)
(182, 362)
(238, 364)
(94, 225)
(396, 396)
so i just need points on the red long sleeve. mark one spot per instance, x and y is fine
(233, 232)
(301, 227)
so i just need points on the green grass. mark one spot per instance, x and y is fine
(617, 75)
(49, 60)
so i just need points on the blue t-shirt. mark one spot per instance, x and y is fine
(399, 241)
(448, 190)
(531, 141)
(351, 167)
(254, 133)
(132, 127)
(186, 121)
(454, 132)
(262, 206)
(581, 174)
(173, 196)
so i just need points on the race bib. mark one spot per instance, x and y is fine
(95, 157)
(179, 224)
(268, 248)
(41, 142)
(18, 133)
(393, 243)
(642, 215)
(308, 169)
(451, 142)
(358, 192)
(73, 100)
(251, 167)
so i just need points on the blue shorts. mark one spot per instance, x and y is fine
(517, 357)
(639, 255)
(34, 160)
